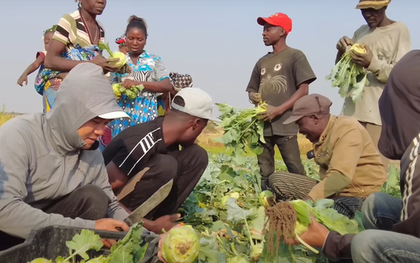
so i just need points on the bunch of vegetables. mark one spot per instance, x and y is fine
(350, 77)
(242, 129)
(229, 209)
(128, 249)
(131, 93)
(236, 222)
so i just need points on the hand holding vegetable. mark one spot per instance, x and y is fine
(254, 97)
(165, 222)
(128, 83)
(362, 59)
(105, 63)
(269, 114)
(343, 43)
(315, 235)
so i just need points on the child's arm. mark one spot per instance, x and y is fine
(31, 68)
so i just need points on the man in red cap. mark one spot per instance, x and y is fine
(387, 41)
(279, 78)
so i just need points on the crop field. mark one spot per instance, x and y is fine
(228, 210)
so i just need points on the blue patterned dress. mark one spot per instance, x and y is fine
(144, 107)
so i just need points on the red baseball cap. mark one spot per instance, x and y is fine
(278, 19)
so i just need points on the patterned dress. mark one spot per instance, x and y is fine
(144, 108)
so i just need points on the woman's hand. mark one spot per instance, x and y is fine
(22, 79)
(128, 83)
(105, 63)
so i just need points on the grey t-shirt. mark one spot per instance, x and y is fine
(277, 77)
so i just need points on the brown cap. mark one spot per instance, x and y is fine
(375, 4)
(309, 105)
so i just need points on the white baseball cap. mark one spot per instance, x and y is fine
(197, 103)
(114, 115)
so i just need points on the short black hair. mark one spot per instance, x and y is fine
(136, 22)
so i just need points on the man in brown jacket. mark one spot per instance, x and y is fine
(400, 140)
(350, 166)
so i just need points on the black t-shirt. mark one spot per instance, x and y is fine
(277, 77)
(132, 148)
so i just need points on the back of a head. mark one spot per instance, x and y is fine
(194, 102)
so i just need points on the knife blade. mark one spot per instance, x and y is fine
(140, 212)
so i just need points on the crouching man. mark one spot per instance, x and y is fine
(50, 170)
(350, 166)
(149, 158)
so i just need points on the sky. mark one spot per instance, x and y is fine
(217, 42)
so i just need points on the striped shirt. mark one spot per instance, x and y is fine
(71, 31)
(132, 148)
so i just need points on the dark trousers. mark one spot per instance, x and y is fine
(287, 186)
(184, 167)
(289, 150)
(88, 202)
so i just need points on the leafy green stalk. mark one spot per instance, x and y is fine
(103, 46)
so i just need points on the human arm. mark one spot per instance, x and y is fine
(114, 209)
(254, 85)
(163, 85)
(342, 45)
(410, 178)
(160, 83)
(30, 69)
(333, 244)
(65, 33)
(272, 112)
(381, 68)
(303, 76)
(340, 170)
(18, 218)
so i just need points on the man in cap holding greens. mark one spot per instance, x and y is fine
(387, 41)
(350, 165)
(146, 158)
(279, 78)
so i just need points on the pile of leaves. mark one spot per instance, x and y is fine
(350, 77)
(225, 208)
(128, 249)
(242, 129)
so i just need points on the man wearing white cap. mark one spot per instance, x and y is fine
(148, 156)
(387, 42)
(50, 170)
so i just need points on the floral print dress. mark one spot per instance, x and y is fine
(144, 108)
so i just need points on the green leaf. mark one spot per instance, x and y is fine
(83, 242)
(235, 213)
(257, 225)
(123, 256)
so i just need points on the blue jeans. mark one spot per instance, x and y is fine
(379, 213)
(374, 246)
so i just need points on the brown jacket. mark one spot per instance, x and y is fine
(349, 163)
